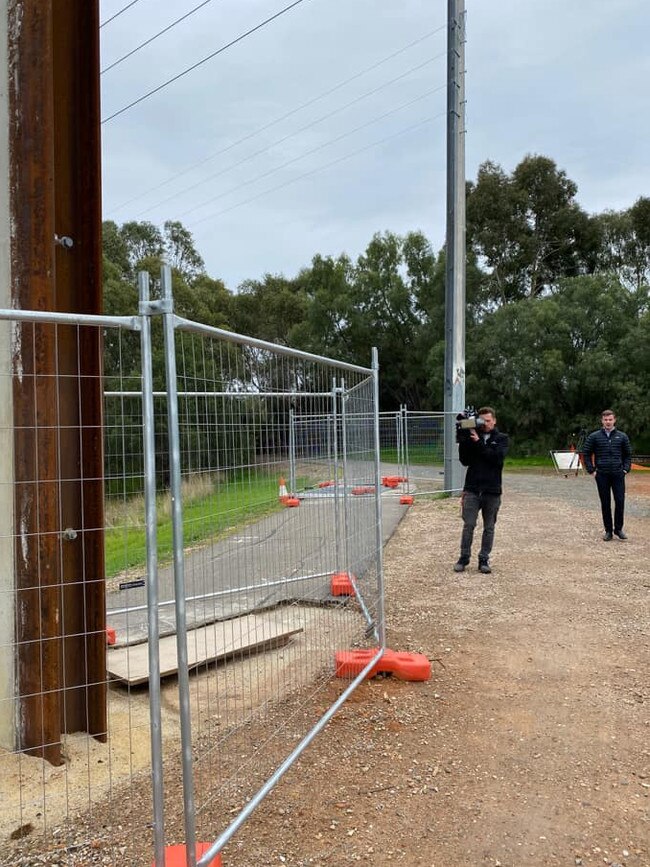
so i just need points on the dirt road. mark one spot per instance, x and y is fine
(531, 743)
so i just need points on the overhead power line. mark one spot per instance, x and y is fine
(338, 110)
(314, 150)
(204, 60)
(154, 37)
(117, 14)
(322, 168)
(279, 119)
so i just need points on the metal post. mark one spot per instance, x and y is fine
(153, 636)
(398, 434)
(292, 451)
(455, 240)
(407, 457)
(337, 501)
(346, 486)
(346, 514)
(328, 436)
(179, 566)
(381, 626)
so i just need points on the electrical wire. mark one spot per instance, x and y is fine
(285, 138)
(154, 37)
(117, 14)
(279, 119)
(314, 150)
(321, 168)
(201, 62)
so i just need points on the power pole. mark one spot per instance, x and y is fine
(52, 480)
(455, 240)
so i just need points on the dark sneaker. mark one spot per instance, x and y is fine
(607, 536)
(620, 534)
(460, 566)
(484, 567)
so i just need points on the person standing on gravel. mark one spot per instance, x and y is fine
(607, 456)
(483, 453)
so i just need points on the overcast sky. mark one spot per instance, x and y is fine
(327, 124)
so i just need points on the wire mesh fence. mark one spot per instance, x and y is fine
(273, 579)
(174, 526)
(66, 738)
(423, 446)
(412, 449)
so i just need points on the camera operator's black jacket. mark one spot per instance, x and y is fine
(612, 454)
(484, 462)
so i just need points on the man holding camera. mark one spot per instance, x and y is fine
(482, 449)
(607, 455)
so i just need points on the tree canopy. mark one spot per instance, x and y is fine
(558, 318)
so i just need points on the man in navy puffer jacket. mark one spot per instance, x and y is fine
(608, 457)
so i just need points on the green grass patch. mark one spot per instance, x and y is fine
(442, 495)
(418, 455)
(211, 510)
(518, 463)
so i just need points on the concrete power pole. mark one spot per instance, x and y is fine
(455, 239)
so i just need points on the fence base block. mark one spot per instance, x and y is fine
(405, 666)
(176, 856)
(406, 500)
(341, 585)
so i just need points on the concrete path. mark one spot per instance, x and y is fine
(288, 556)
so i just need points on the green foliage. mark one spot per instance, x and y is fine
(550, 365)
(527, 228)
(224, 510)
(557, 310)
(269, 308)
(379, 301)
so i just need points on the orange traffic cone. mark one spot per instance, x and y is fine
(283, 494)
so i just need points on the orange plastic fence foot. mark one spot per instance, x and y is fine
(341, 585)
(291, 502)
(405, 666)
(111, 637)
(406, 500)
(363, 489)
(176, 856)
(327, 484)
(391, 481)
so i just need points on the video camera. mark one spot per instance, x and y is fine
(467, 421)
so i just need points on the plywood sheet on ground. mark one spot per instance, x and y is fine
(211, 643)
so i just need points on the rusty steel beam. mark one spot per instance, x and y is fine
(55, 190)
(77, 183)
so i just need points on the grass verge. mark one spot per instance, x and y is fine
(211, 510)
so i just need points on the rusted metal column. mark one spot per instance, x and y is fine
(55, 191)
(36, 465)
(77, 211)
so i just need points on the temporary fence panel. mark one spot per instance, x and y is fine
(73, 519)
(260, 561)
(392, 445)
(424, 450)
(213, 587)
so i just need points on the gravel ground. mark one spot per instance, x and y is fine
(530, 745)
